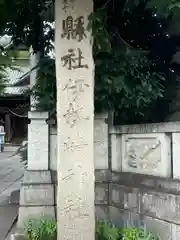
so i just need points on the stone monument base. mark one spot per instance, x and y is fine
(37, 196)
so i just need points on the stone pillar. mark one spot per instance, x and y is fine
(38, 141)
(175, 154)
(37, 192)
(75, 117)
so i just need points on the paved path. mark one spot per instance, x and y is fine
(11, 172)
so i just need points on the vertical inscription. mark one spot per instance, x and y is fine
(75, 110)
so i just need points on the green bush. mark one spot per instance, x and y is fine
(106, 231)
(46, 229)
(136, 234)
(41, 229)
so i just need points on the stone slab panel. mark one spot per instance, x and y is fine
(160, 229)
(124, 197)
(101, 141)
(136, 220)
(116, 152)
(119, 217)
(176, 154)
(135, 180)
(102, 212)
(175, 232)
(102, 175)
(162, 206)
(26, 213)
(53, 149)
(38, 142)
(147, 154)
(101, 193)
(37, 195)
(165, 127)
(37, 177)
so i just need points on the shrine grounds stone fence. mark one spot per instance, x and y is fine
(137, 175)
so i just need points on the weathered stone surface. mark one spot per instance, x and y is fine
(53, 149)
(102, 175)
(175, 232)
(146, 154)
(166, 127)
(26, 213)
(102, 212)
(101, 193)
(38, 142)
(37, 195)
(101, 141)
(160, 229)
(162, 206)
(119, 217)
(75, 118)
(37, 177)
(125, 218)
(136, 220)
(148, 182)
(176, 154)
(124, 198)
(116, 152)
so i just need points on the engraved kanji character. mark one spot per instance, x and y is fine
(79, 28)
(68, 28)
(71, 61)
(75, 87)
(72, 115)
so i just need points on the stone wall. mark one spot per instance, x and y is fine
(142, 188)
(138, 178)
(136, 200)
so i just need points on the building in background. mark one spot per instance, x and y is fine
(14, 104)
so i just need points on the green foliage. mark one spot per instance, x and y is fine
(124, 77)
(45, 89)
(136, 234)
(127, 82)
(41, 229)
(46, 229)
(6, 61)
(26, 21)
(106, 231)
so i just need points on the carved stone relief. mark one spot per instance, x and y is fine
(146, 154)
